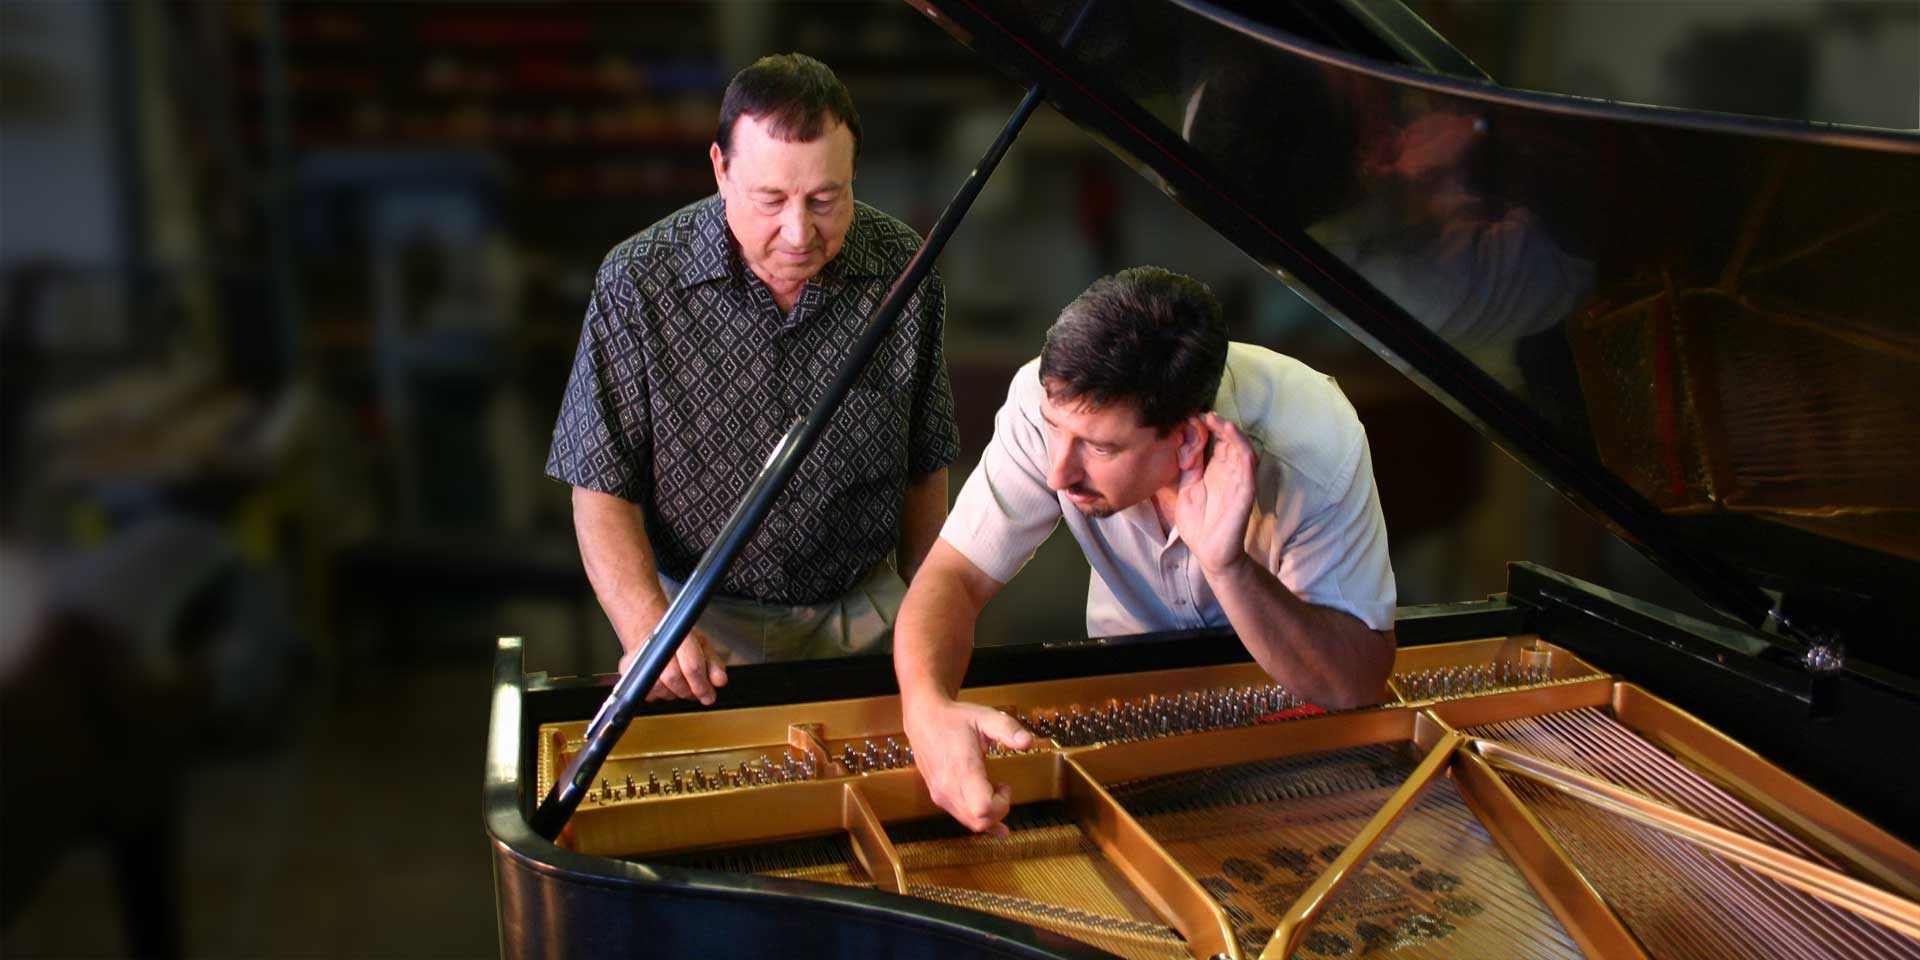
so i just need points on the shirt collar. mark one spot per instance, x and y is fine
(1146, 518)
(711, 254)
(1223, 399)
(709, 250)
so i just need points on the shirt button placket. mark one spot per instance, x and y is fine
(1183, 591)
(1170, 577)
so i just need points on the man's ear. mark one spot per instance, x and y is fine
(1193, 443)
(719, 164)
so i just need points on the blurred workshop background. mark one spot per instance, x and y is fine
(288, 293)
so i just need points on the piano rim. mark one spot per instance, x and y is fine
(511, 771)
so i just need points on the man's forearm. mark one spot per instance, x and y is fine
(1327, 657)
(619, 563)
(932, 641)
(922, 516)
(933, 636)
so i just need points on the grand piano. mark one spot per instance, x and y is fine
(1698, 327)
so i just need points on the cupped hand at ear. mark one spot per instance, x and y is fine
(1215, 494)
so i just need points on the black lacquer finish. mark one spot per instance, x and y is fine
(1689, 323)
(552, 699)
(1700, 327)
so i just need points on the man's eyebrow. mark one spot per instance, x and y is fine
(777, 192)
(1096, 441)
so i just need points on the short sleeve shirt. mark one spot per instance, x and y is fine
(1316, 520)
(688, 374)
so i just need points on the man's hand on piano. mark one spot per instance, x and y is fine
(692, 674)
(949, 741)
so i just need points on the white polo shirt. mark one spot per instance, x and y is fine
(1316, 519)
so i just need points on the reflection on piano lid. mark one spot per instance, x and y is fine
(1697, 326)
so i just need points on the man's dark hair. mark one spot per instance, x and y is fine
(794, 95)
(1146, 336)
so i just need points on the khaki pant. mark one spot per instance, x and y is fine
(861, 621)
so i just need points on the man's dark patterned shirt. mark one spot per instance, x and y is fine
(688, 374)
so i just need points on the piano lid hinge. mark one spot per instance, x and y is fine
(1813, 696)
(1825, 653)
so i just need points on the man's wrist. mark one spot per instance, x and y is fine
(918, 701)
(647, 619)
(1241, 565)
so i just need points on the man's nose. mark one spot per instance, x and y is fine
(796, 228)
(1064, 471)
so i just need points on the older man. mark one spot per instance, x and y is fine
(1208, 483)
(708, 334)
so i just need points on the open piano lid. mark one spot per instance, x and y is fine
(1699, 327)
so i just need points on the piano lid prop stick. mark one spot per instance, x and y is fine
(572, 786)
